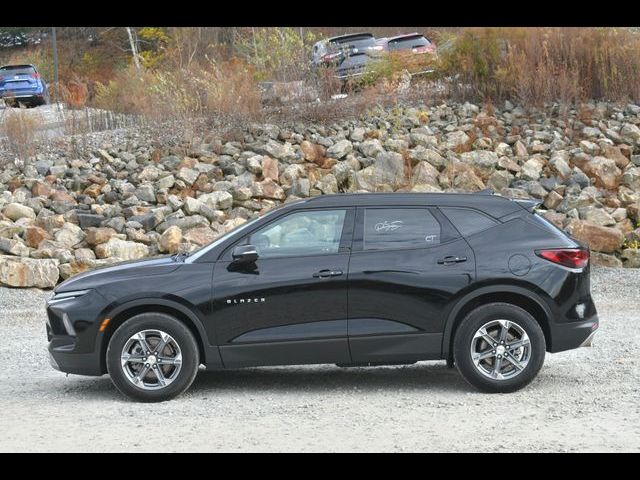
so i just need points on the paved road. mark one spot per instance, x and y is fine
(586, 399)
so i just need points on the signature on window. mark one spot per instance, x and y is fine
(387, 226)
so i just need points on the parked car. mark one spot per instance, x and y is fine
(354, 280)
(348, 55)
(417, 50)
(22, 84)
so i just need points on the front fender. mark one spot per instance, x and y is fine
(211, 358)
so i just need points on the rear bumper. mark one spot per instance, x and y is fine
(34, 97)
(567, 336)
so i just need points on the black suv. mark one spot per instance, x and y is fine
(481, 281)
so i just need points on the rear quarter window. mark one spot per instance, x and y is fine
(468, 221)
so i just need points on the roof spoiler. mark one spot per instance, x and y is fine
(528, 204)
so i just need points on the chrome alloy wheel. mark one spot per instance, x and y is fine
(500, 349)
(151, 359)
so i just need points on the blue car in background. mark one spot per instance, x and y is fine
(22, 84)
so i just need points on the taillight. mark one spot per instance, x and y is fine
(568, 257)
(35, 75)
(329, 57)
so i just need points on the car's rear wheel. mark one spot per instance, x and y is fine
(152, 357)
(499, 347)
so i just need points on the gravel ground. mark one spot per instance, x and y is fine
(583, 400)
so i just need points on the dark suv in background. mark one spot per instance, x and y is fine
(347, 55)
(478, 280)
(22, 84)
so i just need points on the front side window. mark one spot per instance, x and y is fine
(315, 232)
(392, 228)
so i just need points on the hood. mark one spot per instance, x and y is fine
(112, 273)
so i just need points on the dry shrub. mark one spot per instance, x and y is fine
(468, 145)
(21, 130)
(74, 93)
(229, 89)
(538, 65)
(225, 89)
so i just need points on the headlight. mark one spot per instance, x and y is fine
(59, 297)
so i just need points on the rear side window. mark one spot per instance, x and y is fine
(468, 221)
(392, 228)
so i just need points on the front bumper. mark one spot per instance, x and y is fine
(63, 357)
(73, 335)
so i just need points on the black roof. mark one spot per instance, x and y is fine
(494, 205)
(351, 35)
(15, 67)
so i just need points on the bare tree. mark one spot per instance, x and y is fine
(134, 48)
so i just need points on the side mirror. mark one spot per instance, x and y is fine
(244, 254)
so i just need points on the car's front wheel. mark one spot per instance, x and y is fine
(152, 357)
(499, 347)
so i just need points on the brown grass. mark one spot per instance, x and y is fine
(21, 129)
(538, 65)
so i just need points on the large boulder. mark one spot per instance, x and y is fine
(28, 272)
(33, 235)
(371, 148)
(200, 236)
(169, 241)
(217, 200)
(604, 171)
(425, 174)
(532, 168)
(630, 132)
(597, 237)
(631, 257)
(15, 211)
(270, 168)
(340, 149)
(96, 236)
(631, 178)
(13, 247)
(484, 160)
(69, 235)
(121, 249)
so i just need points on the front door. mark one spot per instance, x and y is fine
(406, 266)
(290, 305)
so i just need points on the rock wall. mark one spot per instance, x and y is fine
(130, 199)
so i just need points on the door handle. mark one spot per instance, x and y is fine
(327, 273)
(450, 259)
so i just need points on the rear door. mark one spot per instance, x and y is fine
(406, 265)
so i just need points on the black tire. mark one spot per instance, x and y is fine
(478, 318)
(152, 321)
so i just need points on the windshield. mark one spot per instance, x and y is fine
(360, 42)
(17, 70)
(203, 250)
(408, 43)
